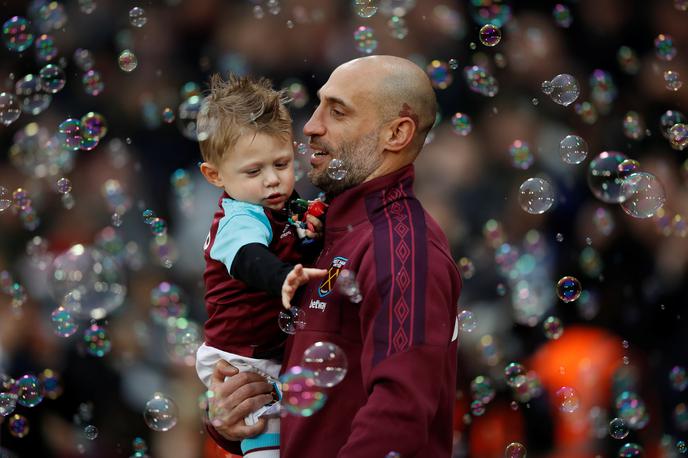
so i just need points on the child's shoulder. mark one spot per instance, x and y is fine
(238, 207)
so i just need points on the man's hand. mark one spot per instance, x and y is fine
(297, 277)
(234, 399)
(314, 227)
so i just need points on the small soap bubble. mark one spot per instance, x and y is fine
(520, 154)
(553, 328)
(568, 289)
(466, 267)
(21, 199)
(161, 413)
(567, 399)
(137, 17)
(477, 408)
(83, 58)
(18, 426)
(167, 301)
(645, 195)
(562, 15)
(9, 108)
(8, 402)
(63, 322)
(92, 82)
(292, 320)
(168, 115)
(672, 80)
(467, 321)
(17, 34)
(515, 374)
(5, 200)
(45, 48)
(480, 81)
(87, 6)
(127, 61)
(618, 428)
(536, 196)
(327, 362)
(633, 126)
(93, 125)
(365, 8)
(573, 149)
(52, 386)
(300, 395)
(515, 449)
(669, 119)
(139, 445)
(365, 40)
(336, 170)
(490, 35)
(664, 47)
(52, 78)
(681, 447)
(32, 98)
(562, 89)
(603, 177)
(148, 216)
(29, 391)
(627, 167)
(347, 285)
(603, 221)
(631, 450)
(158, 226)
(461, 124)
(97, 341)
(678, 379)
(70, 131)
(628, 60)
(397, 27)
(439, 74)
(91, 432)
(482, 389)
(273, 7)
(453, 64)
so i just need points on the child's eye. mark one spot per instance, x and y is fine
(252, 172)
(282, 165)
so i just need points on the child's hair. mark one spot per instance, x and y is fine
(238, 106)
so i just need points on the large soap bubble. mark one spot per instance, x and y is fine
(605, 178)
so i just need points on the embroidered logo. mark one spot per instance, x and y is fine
(318, 305)
(332, 273)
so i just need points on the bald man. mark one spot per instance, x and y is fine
(400, 339)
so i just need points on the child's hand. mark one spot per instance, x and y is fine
(297, 277)
(315, 227)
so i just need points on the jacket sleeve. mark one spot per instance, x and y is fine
(408, 316)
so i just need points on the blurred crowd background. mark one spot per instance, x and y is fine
(618, 351)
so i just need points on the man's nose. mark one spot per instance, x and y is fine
(314, 126)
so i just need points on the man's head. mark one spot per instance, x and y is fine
(245, 136)
(373, 116)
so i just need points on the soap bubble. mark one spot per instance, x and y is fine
(29, 391)
(187, 115)
(490, 35)
(161, 413)
(18, 426)
(604, 179)
(631, 450)
(365, 8)
(127, 61)
(631, 409)
(336, 170)
(477, 408)
(45, 48)
(33, 99)
(497, 12)
(91, 432)
(466, 267)
(467, 321)
(439, 74)
(93, 125)
(664, 47)
(480, 81)
(569, 289)
(672, 80)
(9, 108)
(536, 196)
(83, 58)
(327, 362)
(633, 126)
(52, 15)
(562, 15)
(92, 277)
(678, 136)
(97, 341)
(17, 34)
(87, 6)
(618, 429)
(515, 450)
(63, 322)
(397, 27)
(70, 132)
(628, 60)
(364, 37)
(158, 226)
(669, 119)
(137, 17)
(562, 89)
(482, 389)
(167, 302)
(515, 374)
(8, 402)
(628, 167)
(520, 154)
(567, 399)
(553, 328)
(168, 115)
(461, 124)
(300, 395)
(678, 379)
(183, 339)
(52, 78)
(93, 83)
(573, 149)
(645, 195)
(292, 320)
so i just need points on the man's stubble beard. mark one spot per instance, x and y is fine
(359, 161)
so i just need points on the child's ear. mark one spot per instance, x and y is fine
(211, 174)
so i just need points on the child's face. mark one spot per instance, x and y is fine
(258, 170)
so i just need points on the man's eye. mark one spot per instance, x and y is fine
(337, 112)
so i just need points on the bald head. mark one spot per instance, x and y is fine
(397, 87)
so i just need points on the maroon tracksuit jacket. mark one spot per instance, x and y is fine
(400, 340)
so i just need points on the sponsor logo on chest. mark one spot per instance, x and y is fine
(318, 305)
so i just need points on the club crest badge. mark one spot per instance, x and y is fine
(330, 279)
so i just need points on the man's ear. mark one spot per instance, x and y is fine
(400, 133)
(211, 174)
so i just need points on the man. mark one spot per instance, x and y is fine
(400, 340)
